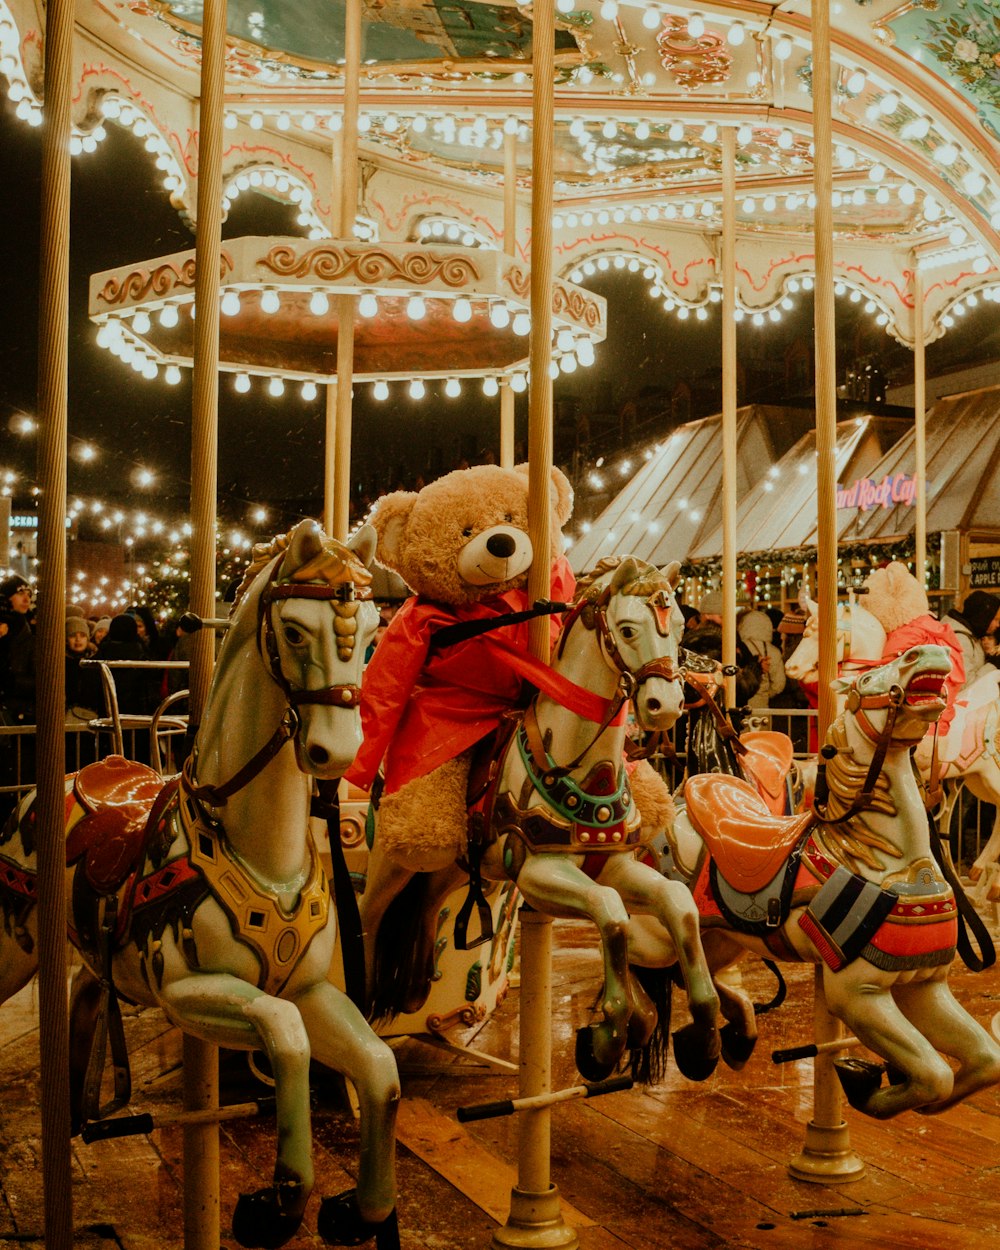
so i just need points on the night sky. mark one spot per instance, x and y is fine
(271, 450)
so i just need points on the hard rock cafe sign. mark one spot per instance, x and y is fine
(866, 493)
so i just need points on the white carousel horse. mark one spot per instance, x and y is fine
(205, 896)
(969, 754)
(852, 886)
(563, 824)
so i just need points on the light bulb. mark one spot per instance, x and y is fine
(416, 389)
(309, 391)
(141, 323)
(783, 48)
(269, 301)
(462, 310)
(171, 376)
(651, 18)
(856, 82)
(242, 383)
(490, 387)
(229, 305)
(169, 316)
(319, 304)
(518, 382)
(499, 315)
(736, 34)
(381, 390)
(368, 305)
(521, 324)
(452, 388)
(696, 25)
(564, 340)
(416, 308)
(276, 387)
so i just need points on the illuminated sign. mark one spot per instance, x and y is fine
(866, 493)
(28, 521)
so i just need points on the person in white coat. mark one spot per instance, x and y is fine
(757, 631)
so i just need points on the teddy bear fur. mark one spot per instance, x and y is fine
(422, 826)
(894, 596)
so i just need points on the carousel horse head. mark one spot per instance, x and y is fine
(901, 697)
(860, 641)
(308, 597)
(639, 625)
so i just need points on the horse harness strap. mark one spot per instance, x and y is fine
(279, 937)
(563, 795)
(859, 705)
(345, 695)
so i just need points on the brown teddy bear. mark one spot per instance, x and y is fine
(462, 545)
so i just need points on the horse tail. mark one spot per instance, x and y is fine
(648, 1063)
(402, 976)
(780, 992)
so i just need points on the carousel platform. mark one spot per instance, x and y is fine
(679, 1166)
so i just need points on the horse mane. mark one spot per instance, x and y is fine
(648, 581)
(845, 777)
(335, 564)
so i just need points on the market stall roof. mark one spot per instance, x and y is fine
(779, 511)
(675, 500)
(963, 473)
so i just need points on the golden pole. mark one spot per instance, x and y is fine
(728, 260)
(346, 303)
(201, 1064)
(509, 244)
(330, 407)
(826, 1155)
(535, 1216)
(53, 357)
(919, 427)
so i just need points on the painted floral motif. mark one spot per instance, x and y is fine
(967, 43)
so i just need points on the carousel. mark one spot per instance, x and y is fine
(459, 172)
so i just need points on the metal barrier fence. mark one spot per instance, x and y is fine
(970, 820)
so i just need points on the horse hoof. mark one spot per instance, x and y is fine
(341, 1223)
(860, 1079)
(259, 1222)
(736, 1046)
(690, 1054)
(587, 1063)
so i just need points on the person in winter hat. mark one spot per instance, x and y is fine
(978, 619)
(756, 629)
(899, 603)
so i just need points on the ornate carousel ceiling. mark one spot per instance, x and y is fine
(642, 93)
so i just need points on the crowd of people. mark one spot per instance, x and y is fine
(130, 635)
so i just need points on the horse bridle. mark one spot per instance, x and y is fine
(859, 705)
(592, 612)
(346, 695)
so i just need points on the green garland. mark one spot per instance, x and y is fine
(895, 549)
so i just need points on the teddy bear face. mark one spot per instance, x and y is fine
(465, 537)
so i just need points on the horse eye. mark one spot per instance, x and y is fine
(294, 636)
(628, 632)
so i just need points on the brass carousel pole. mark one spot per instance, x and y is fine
(728, 261)
(201, 1063)
(509, 244)
(826, 1154)
(346, 303)
(53, 358)
(535, 1216)
(919, 427)
(330, 407)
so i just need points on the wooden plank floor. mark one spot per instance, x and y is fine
(690, 1167)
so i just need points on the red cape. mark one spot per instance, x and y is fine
(422, 707)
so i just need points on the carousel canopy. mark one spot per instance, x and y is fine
(643, 91)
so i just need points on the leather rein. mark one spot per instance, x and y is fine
(346, 695)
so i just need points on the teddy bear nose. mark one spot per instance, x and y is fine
(501, 545)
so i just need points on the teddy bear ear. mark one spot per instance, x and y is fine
(388, 518)
(562, 492)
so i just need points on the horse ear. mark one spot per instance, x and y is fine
(305, 542)
(812, 605)
(388, 518)
(672, 572)
(363, 543)
(624, 574)
(840, 684)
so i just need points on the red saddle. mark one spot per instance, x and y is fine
(768, 761)
(746, 840)
(118, 797)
